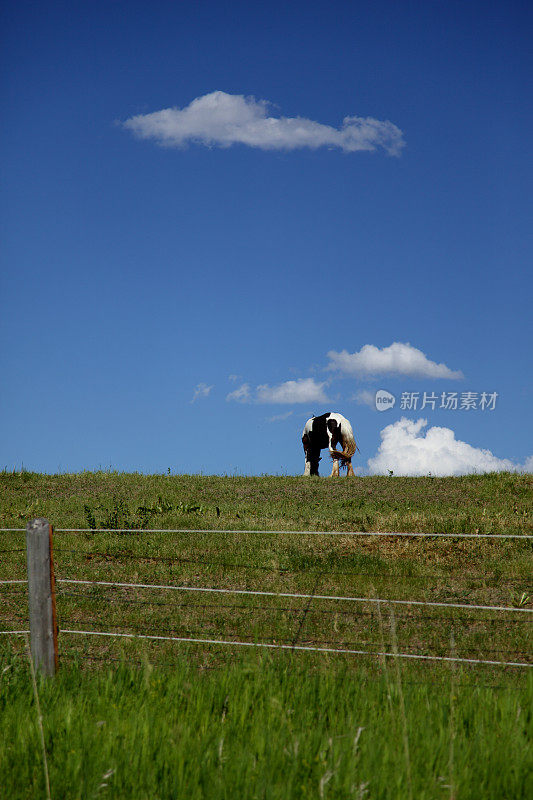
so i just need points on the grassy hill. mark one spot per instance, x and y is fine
(495, 503)
(166, 718)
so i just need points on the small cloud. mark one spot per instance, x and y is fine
(234, 378)
(221, 119)
(240, 395)
(406, 450)
(202, 390)
(303, 390)
(397, 359)
(280, 417)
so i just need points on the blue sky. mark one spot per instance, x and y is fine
(142, 285)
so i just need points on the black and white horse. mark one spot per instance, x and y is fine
(328, 430)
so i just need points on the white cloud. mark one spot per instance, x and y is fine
(240, 395)
(202, 390)
(406, 450)
(528, 465)
(221, 119)
(303, 390)
(396, 359)
(280, 417)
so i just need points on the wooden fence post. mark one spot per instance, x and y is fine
(41, 596)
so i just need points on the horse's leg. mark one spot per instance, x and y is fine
(312, 456)
(350, 468)
(333, 438)
(305, 442)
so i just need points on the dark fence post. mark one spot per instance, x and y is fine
(41, 595)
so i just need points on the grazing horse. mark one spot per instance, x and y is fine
(328, 430)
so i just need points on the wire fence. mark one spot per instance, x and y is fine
(294, 638)
(295, 595)
(408, 534)
(262, 593)
(302, 639)
(299, 648)
(22, 584)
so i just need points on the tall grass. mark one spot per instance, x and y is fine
(260, 728)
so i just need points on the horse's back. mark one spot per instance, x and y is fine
(319, 429)
(343, 423)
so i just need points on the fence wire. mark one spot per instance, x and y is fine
(299, 647)
(288, 533)
(257, 592)
(308, 639)
(16, 580)
(126, 601)
(300, 533)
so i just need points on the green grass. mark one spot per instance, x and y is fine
(287, 721)
(263, 728)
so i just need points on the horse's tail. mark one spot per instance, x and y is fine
(349, 446)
